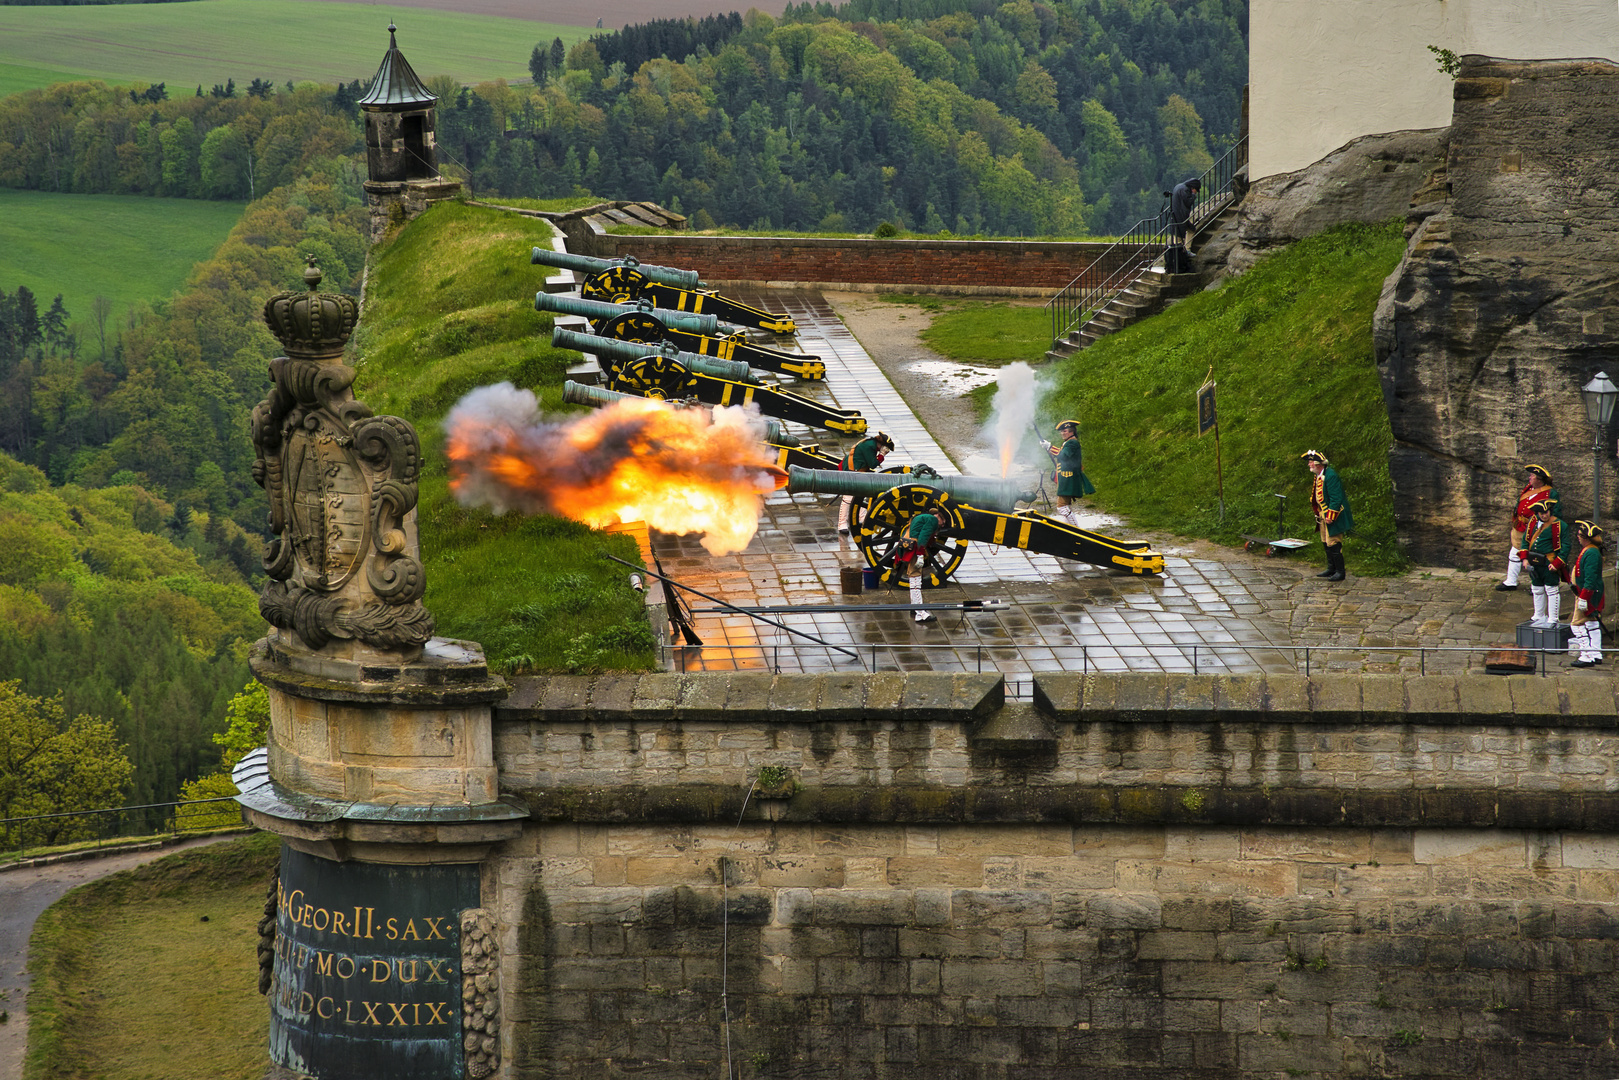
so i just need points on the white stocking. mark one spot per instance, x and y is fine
(1554, 604)
(1593, 638)
(1514, 567)
(843, 512)
(1539, 595)
(1576, 641)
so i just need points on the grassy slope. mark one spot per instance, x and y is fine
(130, 983)
(207, 41)
(450, 307)
(128, 248)
(1290, 344)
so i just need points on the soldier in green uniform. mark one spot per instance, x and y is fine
(1588, 597)
(1332, 514)
(1072, 483)
(914, 554)
(1548, 545)
(864, 456)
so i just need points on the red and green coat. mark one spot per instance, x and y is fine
(1328, 503)
(1587, 578)
(1552, 542)
(862, 457)
(1524, 516)
(1072, 483)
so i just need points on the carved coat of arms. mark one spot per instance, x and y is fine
(342, 483)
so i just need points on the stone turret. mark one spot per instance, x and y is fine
(401, 155)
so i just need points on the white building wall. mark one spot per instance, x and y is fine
(1323, 72)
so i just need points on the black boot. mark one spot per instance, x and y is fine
(1335, 559)
(1331, 566)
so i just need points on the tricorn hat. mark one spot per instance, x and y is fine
(1314, 455)
(882, 439)
(1590, 530)
(1540, 470)
(1067, 424)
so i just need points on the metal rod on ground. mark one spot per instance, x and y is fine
(733, 607)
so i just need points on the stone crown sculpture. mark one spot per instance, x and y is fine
(345, 564)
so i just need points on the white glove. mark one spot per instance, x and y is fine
(1579, 605)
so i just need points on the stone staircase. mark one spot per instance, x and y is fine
(1151, 292)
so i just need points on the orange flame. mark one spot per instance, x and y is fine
(679, 470)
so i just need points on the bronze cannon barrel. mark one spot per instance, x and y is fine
(735, 370)
(983, 492)
(596, 396)
(601, 311)
(590, 264)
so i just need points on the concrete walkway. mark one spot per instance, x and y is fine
(1214, 610)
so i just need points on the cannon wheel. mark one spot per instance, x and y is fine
(886, 520)
(615, 285)
(656, 376)
(635, 326)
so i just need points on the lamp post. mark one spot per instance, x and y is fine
(1600, 395)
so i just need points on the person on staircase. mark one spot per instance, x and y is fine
(1588, 598)
(914, 555)
(1548, 546)
(864, 456)
(1332, 515)
(1072, 483)
(1181, 201)
(1537, 489)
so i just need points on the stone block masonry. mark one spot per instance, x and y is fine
(1193, 877)
(987, 267)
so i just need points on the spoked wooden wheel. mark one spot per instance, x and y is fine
(655, 376)
(884, 528)
(861, 509)
(615, 285)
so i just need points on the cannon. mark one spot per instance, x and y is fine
(644, 323)
(600, 312)
(661, 376)
(589, 264)
(617, 350)
(626, 278)
(969, 508)
(595, 397)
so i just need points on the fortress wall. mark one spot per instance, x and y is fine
(1321, 75)
(990, 267)
(1135, 876)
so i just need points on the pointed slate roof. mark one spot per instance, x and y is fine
(395, 83)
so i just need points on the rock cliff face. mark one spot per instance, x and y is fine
(1370, 179)
(1506, 303)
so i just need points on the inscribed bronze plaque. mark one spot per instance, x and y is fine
(368, 969)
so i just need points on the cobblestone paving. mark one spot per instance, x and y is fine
(1214, 609)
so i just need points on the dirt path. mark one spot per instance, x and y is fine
(24, 896)
(931, 384)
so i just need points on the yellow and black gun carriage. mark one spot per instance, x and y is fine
(660, 375)
(788, 448)
(969, 509)
(627, 279)
(689, 331)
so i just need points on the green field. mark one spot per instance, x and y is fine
(128, 248)
(208, 41)
(150, 973)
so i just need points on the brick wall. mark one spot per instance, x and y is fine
(995, 267)
(1134, 877)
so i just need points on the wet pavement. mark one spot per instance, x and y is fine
(1213, 610)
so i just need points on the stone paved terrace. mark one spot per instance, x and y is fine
(1215, 610)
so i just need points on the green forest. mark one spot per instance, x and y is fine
(130, 528)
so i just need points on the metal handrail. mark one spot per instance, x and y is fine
(773, 651)
(174, 829)
(1141, 245)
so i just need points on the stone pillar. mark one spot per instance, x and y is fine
(379, 774)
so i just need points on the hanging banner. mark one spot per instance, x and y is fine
(1206, 418)
(368, 969)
